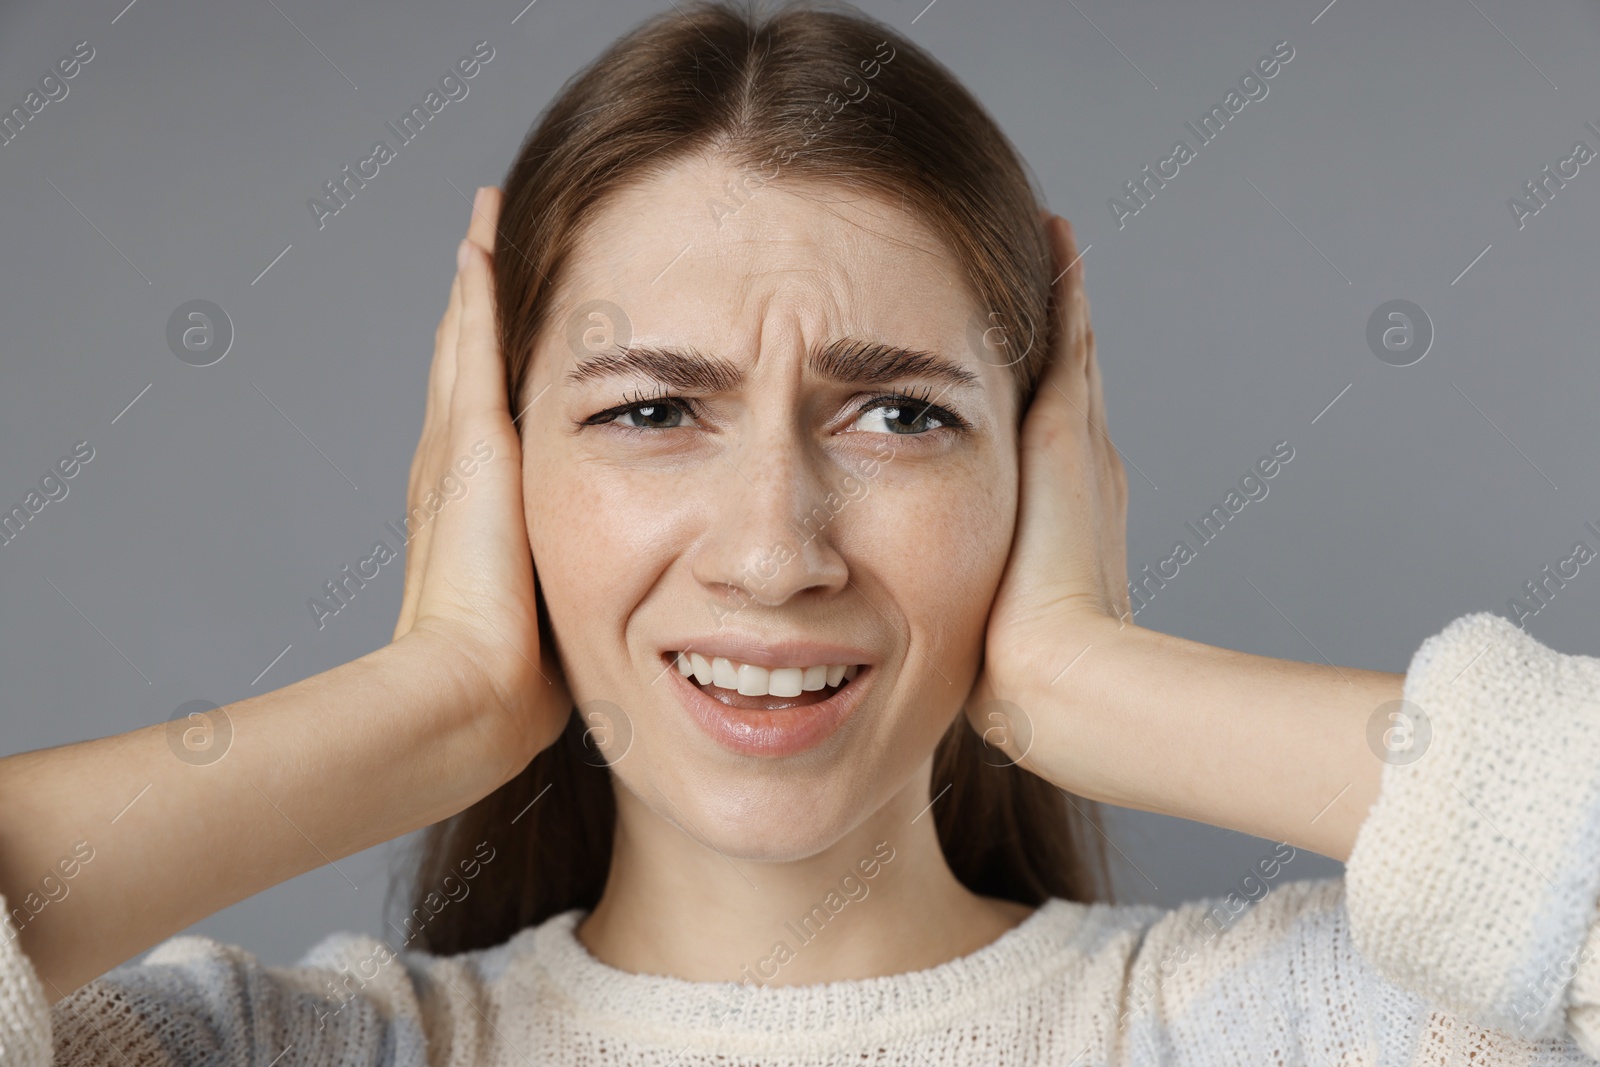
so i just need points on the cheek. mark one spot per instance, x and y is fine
(600, 539)
(939, 542)
(574, 521)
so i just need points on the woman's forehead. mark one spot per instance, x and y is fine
(695, 255)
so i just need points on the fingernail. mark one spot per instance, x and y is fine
(461, 255)
(477, 200)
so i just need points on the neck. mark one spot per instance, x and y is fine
(879, 901)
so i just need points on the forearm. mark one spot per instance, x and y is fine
(315, 771)
(1270, 747)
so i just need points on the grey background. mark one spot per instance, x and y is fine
(185, 152)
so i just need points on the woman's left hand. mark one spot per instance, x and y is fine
(1076, 693)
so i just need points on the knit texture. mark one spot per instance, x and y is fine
(24, 1017)
(1425, 953)
(1509, 789)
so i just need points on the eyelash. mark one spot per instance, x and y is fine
(917, 399)
(639, 400)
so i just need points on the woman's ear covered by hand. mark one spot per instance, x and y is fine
(469, 585)
(1072, 513)
(1064, 587)
(1069, 554)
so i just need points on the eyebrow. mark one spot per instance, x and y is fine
(848, 359)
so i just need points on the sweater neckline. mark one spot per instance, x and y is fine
(668, 1007)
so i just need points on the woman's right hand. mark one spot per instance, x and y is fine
(470, 584)
(334, 763)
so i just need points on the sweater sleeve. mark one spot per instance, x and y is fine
(193, 1001)
(24, 1013)
(1270, 974)
(1475, 877)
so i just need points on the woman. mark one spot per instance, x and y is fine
(763, 470)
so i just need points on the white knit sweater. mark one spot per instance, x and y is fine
(1464, 932)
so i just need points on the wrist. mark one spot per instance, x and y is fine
(489, 736)
(1086, 726)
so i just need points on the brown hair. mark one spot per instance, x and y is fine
(814, 92)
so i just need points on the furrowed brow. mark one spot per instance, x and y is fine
(851, 360)
(680, 369)
(875, 363)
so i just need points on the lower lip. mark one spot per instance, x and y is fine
(785, 732)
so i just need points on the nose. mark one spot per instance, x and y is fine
(772, 525)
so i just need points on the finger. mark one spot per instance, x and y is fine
(443, 374)
(1096, 394)
(1111, 479)
(1058, 510)
(1074, 299)
(480, 229)
(427, 461)
(1113, 483)
(479, 393)
(485, 218)
(1078, 336)
(440, 373)
(434, 444)
(481, 334)
(1061, 401)
(1097, 412)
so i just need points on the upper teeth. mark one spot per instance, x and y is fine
(753, 681)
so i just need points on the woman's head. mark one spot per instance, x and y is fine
(767, 290)
(792, 504)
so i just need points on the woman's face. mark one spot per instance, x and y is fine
(766, 500)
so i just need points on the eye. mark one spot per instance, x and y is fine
(644, 414)
(906, 416)
(654, 415)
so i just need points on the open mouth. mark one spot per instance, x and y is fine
(752, 688)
